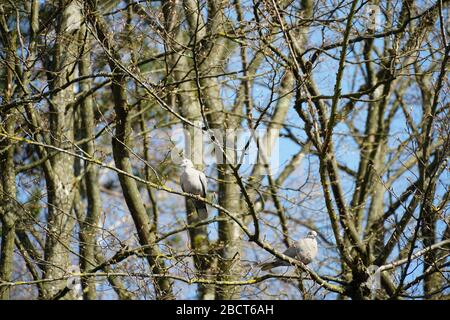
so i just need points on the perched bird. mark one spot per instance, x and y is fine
(305, 250)
(194, 182)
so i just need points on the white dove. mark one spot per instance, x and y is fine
(194, 181)
(305, 250)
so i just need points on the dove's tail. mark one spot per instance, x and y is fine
(269, 265)
(202, 212)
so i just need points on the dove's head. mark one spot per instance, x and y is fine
(311, 235)
(186, 163)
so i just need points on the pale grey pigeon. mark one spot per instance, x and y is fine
(305, 250)
(194, 181)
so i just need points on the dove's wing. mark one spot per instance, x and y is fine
(191, 182)
(183, 181)
(292, 252)
(204, 183)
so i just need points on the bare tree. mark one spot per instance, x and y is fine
(304, 115)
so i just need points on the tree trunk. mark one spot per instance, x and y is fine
(88, 232)
(8, 206)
